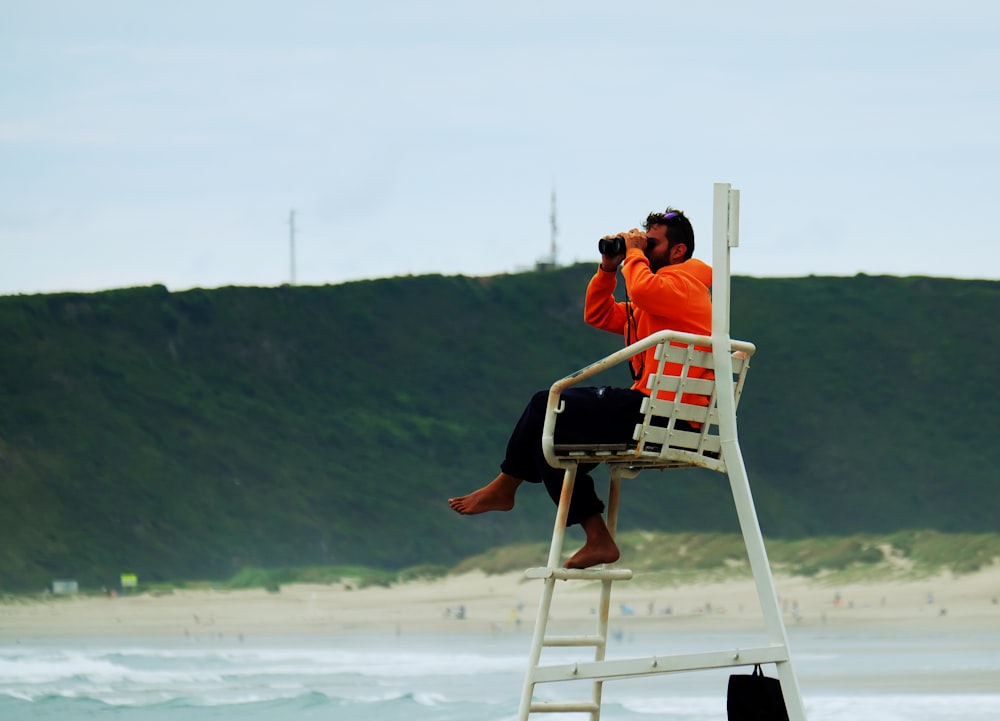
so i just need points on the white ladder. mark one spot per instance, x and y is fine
(660, 444)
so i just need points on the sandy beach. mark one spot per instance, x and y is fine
(476, 602)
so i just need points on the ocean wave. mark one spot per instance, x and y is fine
(461, 679)
(120, 663)
(392, 704)
(202, 678)
(59, 667)
(178, 669)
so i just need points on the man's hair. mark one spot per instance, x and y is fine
(679, 228)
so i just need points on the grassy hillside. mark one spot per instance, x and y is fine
(188, 435)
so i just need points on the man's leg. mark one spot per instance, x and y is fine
(599, 547)
(592, 415)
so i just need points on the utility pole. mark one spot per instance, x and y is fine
(291, 242)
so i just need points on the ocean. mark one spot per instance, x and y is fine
(858, 674)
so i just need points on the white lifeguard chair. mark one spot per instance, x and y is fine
(660, 443)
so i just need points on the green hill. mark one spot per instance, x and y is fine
(188, 435)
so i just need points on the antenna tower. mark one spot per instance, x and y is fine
(555, 229)
(291, 243)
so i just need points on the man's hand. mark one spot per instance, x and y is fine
(610, 263)
(635, 238)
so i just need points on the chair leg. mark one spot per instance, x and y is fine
(562, 514)
(614, 491)
(604, 605)
(541, 620)
(759, 565)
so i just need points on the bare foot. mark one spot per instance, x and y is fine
(592, 556)
(599, 548)
(497, 495)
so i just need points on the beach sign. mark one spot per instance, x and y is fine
(65, 586)
(129, 580)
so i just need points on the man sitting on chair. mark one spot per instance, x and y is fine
(666, 289)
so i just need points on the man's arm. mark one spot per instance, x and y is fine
(600, 308)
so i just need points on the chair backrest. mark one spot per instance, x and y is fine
(680, 425)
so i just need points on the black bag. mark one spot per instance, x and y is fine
(755, 697)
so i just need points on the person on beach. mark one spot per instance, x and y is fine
(667, 289)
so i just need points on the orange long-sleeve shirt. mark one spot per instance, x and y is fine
(676, 297)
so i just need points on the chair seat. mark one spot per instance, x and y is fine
(626, 454)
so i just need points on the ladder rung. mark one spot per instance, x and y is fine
(585, 574)
(573, 641)
(657, 665)
(564, 707)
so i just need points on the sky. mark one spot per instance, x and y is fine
(170, 142)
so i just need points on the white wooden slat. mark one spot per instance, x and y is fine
(695, 386)
(590, 707)
(661, 408)
(574, 641)
(685, 354)
(683, 440)
(581, 574)
(655, 665)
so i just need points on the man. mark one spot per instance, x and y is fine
(667, 289)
